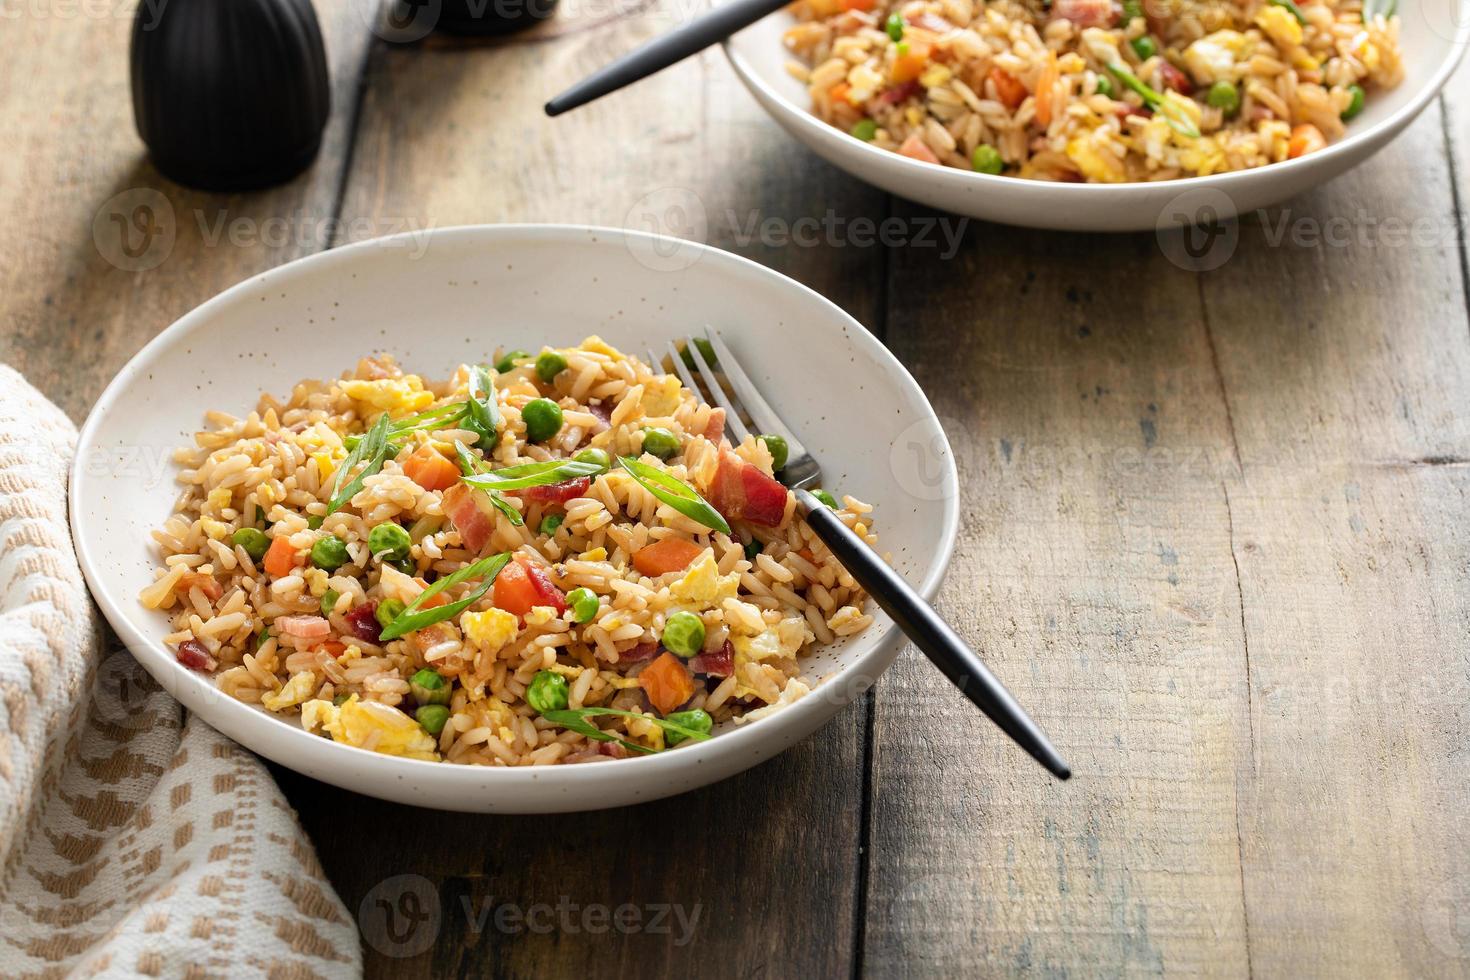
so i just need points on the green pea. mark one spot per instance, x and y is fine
(388, 610)
(549, 365)
(548, 691)
(329, 601)
(1105, 86)
(1225, 97)
(583, 603)
(432, 718)
(389, 542)
(684, 634)
(776, 446)
(550, 523)
(428, 687)
(660, 442)
(314, 521)
(508, 363)
(329, 553)
(597, 456)
(255, 543)
(894, 26)
(865, 130)
(706, 349)
(825, 498)
(543, 419)
(986, 159)
(339, 699)
(406, 565)
(753, 548)
(1145, 47)
(697, 720)
(1132, 9)
(1356, 105)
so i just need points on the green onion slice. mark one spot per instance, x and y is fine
(1290, 7)
(576, 720)
(374, 448)
(414, 617)
(1176, 117)
(482, 407)
(534, 474)
(676, 493)
(470, 466)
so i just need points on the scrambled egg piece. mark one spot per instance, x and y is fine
(782, 640)
(661, 396)
(219, 498)
(489, 630)
(540, 615)
(396, 396)
(1212, 58)
(1083, 151)
(296, 690)
(368, 724)
(597, 345)
(1280, 25)
(704, 585)
(325, 465)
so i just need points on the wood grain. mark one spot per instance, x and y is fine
(454, 134)
(74, 307)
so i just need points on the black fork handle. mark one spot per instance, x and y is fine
(930, 633)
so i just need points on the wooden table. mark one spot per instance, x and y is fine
(1214, 534)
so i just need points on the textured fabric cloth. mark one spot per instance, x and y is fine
(135, 841)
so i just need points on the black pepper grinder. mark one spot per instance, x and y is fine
(229, 94)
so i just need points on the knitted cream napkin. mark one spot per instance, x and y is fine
(134, 840)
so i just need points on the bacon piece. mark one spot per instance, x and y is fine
(1008, 88)
(195, 655)
(640, 653)
(471, 513)
(899, 93)
(716, 663)
(304, 627)
(1175, 79)
(1086, 13)
(206, 584)
(555, 493)
(741, 491)
(603, 413)
(916, 149)
(714, 429)
(363, 621)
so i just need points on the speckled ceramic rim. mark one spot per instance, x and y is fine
(549, 789)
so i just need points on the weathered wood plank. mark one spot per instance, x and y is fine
(76, 304)
(1094, 573)
(453, 134)
(1347, 370)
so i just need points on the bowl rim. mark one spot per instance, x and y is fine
(900, 165)
(333, 758)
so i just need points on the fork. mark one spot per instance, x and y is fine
(918, 620)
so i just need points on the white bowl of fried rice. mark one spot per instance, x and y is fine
(418, 518)
(1099, 115)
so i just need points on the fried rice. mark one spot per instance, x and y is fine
(277, 630)
(1088, 90)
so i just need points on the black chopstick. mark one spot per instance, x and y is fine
(931, 634)
(662, 52)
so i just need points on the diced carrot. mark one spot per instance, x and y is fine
(859, 4)
(429, 469)
(334, 648)
(668, 555)
(523, 585)
(1008, 88)
(667, 682)
(1305, 139)
(839, 92)
(910, 65)
(1045, 84)
(280, 559)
